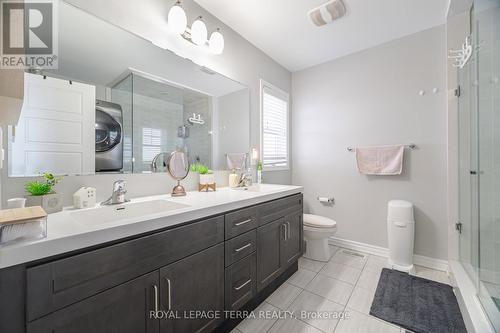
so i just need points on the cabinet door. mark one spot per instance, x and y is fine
(122, 309)
(195, 283)
(269, 257)
(292, 244)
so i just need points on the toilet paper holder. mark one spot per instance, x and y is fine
(326, 200)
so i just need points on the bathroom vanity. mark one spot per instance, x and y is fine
(221, 251)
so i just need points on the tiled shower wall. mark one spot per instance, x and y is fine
(199, 143)
(155, 129)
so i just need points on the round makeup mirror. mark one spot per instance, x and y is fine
(178, 167)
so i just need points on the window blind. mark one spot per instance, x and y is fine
(274, 129)
(151, 143)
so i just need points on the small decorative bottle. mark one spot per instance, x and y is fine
(249, 177)
(259, 172)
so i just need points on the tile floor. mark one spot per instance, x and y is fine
(344, 285)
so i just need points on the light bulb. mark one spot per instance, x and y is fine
(199, 32)
(216, 42)
(177, 19)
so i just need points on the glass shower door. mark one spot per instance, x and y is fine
(487, 32)
(479, 158)
(468, 185)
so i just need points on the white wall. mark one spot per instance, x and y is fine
(241, 61)
(369, 98)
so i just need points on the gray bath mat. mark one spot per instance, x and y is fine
(417, 304)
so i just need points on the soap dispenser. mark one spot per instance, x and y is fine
(233, 179)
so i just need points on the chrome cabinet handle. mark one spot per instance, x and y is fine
(289, 232)
(155, 287)
(283, 227)
(286, 230)
(243, 285)
(169, 294)
(243, 222)
(243, 247)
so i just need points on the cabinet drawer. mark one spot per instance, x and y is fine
(241, 221)
(240, 282)
(239, 247)
(271, 211)
(57, 284)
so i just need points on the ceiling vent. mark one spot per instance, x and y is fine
(327, 12)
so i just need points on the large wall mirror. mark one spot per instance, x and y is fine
(118, 103)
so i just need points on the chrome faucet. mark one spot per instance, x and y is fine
(118, 196)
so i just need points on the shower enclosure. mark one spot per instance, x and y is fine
(158, 117)
(479, 158)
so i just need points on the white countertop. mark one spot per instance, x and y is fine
(65, 233)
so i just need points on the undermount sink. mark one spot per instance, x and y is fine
(113, 213)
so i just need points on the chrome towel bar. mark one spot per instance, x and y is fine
(411, 146)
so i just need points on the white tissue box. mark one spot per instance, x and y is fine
(22, 224)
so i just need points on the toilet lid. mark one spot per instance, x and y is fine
(317, 221)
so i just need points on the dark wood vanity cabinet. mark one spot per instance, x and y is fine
(196, 270)
(59, 283)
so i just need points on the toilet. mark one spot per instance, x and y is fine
(317, 230)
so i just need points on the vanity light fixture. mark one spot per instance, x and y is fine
(216, 42)
(197, 33)
(177, 19)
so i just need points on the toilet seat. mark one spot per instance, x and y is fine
(317, 232)
(320, 222)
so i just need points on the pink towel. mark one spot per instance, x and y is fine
(380, 160)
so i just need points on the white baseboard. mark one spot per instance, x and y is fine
(438, 264)
(357, 246)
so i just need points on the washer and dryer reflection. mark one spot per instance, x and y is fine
(108, 137)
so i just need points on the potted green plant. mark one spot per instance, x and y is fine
(207, 178)
(41, 193)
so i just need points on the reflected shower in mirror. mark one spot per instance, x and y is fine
(109, 108)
